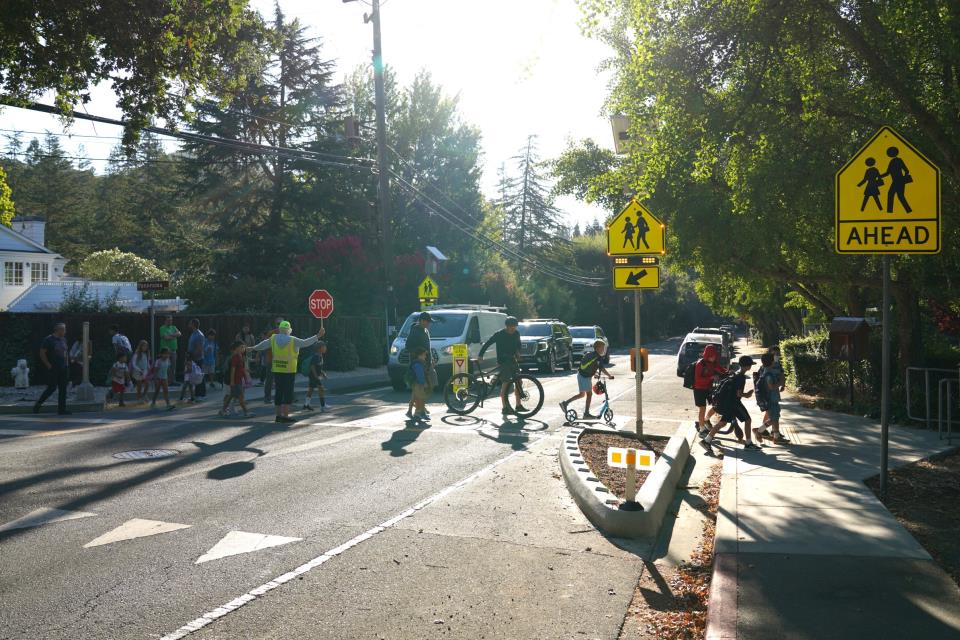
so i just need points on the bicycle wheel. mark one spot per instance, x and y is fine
(462, 393)
(531, 396)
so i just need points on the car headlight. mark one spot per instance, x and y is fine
(448, 350)
(542, 346)
(394, 350)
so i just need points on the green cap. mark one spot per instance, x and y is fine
(285, 324)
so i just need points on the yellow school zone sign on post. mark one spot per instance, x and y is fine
(888, 199)
(636, 231)
(428, 289)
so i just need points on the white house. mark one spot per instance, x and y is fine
(25, 260)
(34, 280)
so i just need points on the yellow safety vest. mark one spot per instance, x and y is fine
(284, 358)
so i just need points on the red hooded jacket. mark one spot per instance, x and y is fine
(707, 367)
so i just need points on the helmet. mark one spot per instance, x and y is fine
(600, 387)
(511, 321)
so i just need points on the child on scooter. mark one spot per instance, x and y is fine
(589, 365)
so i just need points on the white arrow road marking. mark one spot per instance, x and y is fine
(136, 528)
(44, 515)
(237, 542)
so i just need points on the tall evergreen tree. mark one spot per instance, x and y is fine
(532, 224)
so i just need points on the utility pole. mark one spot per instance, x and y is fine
(383, 178)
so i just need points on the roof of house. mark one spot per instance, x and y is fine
(11, 240)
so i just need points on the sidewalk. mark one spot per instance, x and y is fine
(804, 550)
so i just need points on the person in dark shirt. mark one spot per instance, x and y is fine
(419, 338)
(732, 409)
(507, 341)
(589, 365)
(53, 355)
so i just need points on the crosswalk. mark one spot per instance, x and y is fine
(232, 544)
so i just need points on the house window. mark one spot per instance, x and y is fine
(13, 274)
(39, 272)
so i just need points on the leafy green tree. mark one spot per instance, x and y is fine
(740, 115)
(6, 200)
(121, 266)
(145, 48)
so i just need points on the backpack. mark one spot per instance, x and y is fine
(689, 375)
(762, 390)
(725, 394)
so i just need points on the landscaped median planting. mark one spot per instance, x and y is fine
(598, 489)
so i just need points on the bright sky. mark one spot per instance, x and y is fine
(519, 66)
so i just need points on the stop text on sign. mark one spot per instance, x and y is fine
(321, 304)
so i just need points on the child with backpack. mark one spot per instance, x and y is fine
(768, 386)
(316, 374)
(417, 380)
(729, 397)
(589, 366)
(119, 376)
(701, 375)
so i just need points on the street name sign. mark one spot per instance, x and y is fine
(888, 199)
(321, 304)
(635, 278)
(636, 231)
(153, 285)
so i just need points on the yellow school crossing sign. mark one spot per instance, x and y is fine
(428, 289)
(888, 199)
(636, 231)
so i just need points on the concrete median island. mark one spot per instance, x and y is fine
(601, 506)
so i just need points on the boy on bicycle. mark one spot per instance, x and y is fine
(507, 341)
(589, 365)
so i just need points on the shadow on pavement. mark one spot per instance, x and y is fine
(401, 438)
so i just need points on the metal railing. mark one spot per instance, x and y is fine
(944, 415)
(945, 408)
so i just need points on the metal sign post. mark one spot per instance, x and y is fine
(638, 375)
(885, 380)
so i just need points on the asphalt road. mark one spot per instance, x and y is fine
(244, 502)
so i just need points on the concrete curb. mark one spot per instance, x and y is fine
(600, 505)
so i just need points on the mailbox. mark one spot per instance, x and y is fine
(849, 338)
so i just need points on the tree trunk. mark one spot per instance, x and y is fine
(907, 309)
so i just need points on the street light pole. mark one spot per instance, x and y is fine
(383, 177)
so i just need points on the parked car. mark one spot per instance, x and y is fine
(692, 348)
(452, 324)
(545, 344)
(583, 339)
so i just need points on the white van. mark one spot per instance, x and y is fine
(467, 324)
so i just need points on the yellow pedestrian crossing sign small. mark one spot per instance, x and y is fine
(636, 231)
(888, 199)
(428, 289)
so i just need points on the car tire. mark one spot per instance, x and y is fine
(551, 364)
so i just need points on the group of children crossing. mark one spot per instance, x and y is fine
(724, 391)
(139, 370)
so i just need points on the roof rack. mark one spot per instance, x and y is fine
(541, 320)
(469, 307)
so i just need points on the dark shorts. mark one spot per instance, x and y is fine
(508, 370)
(283, 388)
(736, 411)
(316, 382)
(700, 397)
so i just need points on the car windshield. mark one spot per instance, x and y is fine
(693, 348)
(533, 329)
(447, 325)
(582, 332)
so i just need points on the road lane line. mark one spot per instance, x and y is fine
(253, 594)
